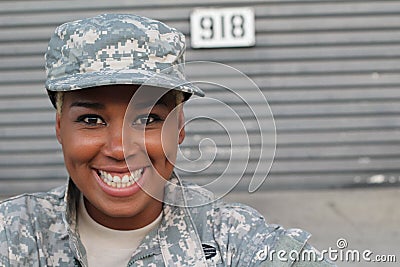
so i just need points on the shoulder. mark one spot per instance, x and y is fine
(242, 234)
(220, 214)
(207, 211)
(24, 202)
(27, 222)
(258, 243)
(27, 209)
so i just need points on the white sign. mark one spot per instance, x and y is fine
(222, 27)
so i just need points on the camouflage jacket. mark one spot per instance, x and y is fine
(40, 230)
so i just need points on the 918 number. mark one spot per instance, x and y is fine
(236, 24)
(222, 27)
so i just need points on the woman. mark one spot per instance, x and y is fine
(115, 76)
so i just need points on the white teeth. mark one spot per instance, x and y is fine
(125, 179)
(133, 176)
(116, 179)
(121, 182)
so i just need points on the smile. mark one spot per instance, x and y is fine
(120, 181)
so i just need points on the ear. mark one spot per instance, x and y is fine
(181, 125)
(57, 126)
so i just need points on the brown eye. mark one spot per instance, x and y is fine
(91, 120)
(146, 119)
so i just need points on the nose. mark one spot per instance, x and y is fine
(119, 149)
(114, 145)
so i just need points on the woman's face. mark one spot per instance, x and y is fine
(118, 176)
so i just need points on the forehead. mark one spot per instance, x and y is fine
(137, 95)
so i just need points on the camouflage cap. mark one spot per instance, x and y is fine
(116, 49)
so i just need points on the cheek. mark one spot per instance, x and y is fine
(158, 148)
(162, 148)
(78, 148)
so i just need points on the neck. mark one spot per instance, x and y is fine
(135, 221)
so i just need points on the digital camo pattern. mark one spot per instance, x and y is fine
(116, 49)
(40, 230)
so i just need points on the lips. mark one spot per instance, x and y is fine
(120, 183)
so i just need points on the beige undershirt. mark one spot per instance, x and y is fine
(109, 247)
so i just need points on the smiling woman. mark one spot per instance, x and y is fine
(118, 86)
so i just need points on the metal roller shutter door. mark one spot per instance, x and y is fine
(329, 69)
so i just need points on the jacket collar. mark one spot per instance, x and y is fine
(179, 240)
(71, 198)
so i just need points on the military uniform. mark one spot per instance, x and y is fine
(41, 230)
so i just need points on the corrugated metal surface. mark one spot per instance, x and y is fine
(329, 69)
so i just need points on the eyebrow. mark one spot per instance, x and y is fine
(144, 105)
(90, 105)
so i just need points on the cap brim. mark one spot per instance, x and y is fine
(119, 77)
